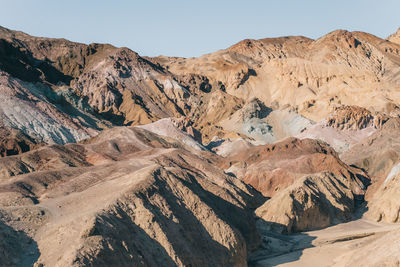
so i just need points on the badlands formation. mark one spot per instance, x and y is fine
(279, 151)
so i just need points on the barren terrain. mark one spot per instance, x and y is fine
(272, 152)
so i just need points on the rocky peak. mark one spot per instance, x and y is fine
(395, 37)
(341, 37)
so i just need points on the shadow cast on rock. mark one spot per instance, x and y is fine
(16, 247)
(208, 250)
(121, 242)
(277, 248)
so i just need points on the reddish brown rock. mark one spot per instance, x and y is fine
(271, 168)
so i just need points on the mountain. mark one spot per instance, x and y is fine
(311, 76)
(98, 85)
(253, 154)
(127, 196)
(395, 37)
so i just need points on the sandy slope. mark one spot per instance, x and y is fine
(326, 247)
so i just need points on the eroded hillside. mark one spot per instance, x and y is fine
(260, 154)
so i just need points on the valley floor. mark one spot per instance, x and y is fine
(327, 247)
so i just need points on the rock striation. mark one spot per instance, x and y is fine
(354, 118)
(149, 200)
(311, 202)
(300, 80)
(272, 168)
(111, 158)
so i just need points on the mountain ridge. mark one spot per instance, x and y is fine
(113, 158)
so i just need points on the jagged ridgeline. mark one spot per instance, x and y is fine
(109, 158)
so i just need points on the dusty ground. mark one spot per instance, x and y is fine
(325, 247)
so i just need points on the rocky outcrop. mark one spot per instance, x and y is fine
(313, 201)
(395, 37)
(272, 168)
(354, 118)
(377, 154)
(385, 204)
(13, 142)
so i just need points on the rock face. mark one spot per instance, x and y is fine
(263, 124)
(309, 186)
(271, 168)
(313, 201)
(13, 142)
(395, 37)
(148, 200)
(25, 109)
(377, 154)
(385, 204)
(354, 118)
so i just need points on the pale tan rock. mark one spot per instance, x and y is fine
(313, 201)
(381, 251)
(354, 118)
(395, 37)
(149, 200)
(311, 76)
(377, 154)
(385, 203)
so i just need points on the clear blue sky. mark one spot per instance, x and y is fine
(192, 28)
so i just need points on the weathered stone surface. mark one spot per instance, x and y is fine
(272, 168)
(311, 202)
(125, 197)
